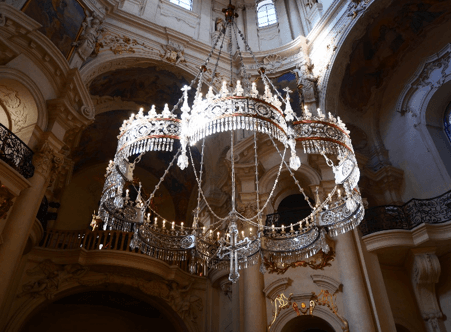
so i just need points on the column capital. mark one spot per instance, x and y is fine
(48, 159)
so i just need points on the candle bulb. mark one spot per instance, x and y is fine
(211, 233)
(182, 225)
(242, 234)
(126, 193)
(155, 219)
(250, 231)
(173, 224)
(203, 229)
(164, 223)
(283, 228)
(148, 218)
(291, 227)
(218, 235)
(272, 226)
(339, 193)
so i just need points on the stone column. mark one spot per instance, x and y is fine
(254, 300)
(282, 19)
(251, 27)
(355, 298)
(425, 273)
(295, 19)
(21, 219)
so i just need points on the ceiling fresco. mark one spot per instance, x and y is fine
(289, 80)
(98, 145)
(144, 86)
(378, 52)
(61, 20)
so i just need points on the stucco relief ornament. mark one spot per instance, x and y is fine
(239, 237)
(173, 53)
(88, 112)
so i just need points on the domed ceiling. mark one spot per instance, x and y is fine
(375, 55)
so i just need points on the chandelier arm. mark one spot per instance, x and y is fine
(217, 60)
(296, 181)
(147, 203)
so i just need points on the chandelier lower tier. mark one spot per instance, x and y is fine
(233, 241)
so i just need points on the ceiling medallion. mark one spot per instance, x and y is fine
(232, 242)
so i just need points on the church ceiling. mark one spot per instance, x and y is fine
(61, 21)
(375, 55)
(144, 86)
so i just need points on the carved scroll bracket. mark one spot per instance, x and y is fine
(425, 273)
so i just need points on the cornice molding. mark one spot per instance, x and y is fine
(423, 234)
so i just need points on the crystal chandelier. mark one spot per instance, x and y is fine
(232, 242)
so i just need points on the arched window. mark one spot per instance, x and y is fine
(266, 13)
(187, 4)
(447, 122)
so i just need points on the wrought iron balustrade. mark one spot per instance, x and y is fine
(287, 217)
(111, 240)
(16, 153)
(435, 210)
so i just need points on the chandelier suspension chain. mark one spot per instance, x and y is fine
(243, 67)
(232, 159)
(271, 192)
(202, 192)
(222, 33)
(262, 74)
(200, 176)
(166, 172)
(296, 181)
(256, 172)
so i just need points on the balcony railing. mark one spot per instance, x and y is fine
(16, 153)
(98, 240)
(408, 216)
(287, 217)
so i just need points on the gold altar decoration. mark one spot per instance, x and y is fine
(324, 298)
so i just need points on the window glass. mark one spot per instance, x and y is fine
(187, 4)
(266, 13)
(447, 122)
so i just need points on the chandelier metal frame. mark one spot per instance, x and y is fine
(219, 244)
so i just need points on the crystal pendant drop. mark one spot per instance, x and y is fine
(182, 161)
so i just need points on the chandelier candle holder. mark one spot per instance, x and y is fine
(232, 242)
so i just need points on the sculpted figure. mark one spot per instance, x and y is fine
(88, 40)
(306, 81)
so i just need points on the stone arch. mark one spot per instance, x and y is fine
(156, 287)
(23, 100)
(109, 62)
(422, 104)
(113, 309)
(306, 175)
(320, 311)
(34, 306)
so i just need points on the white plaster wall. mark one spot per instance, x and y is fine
(402, 299)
